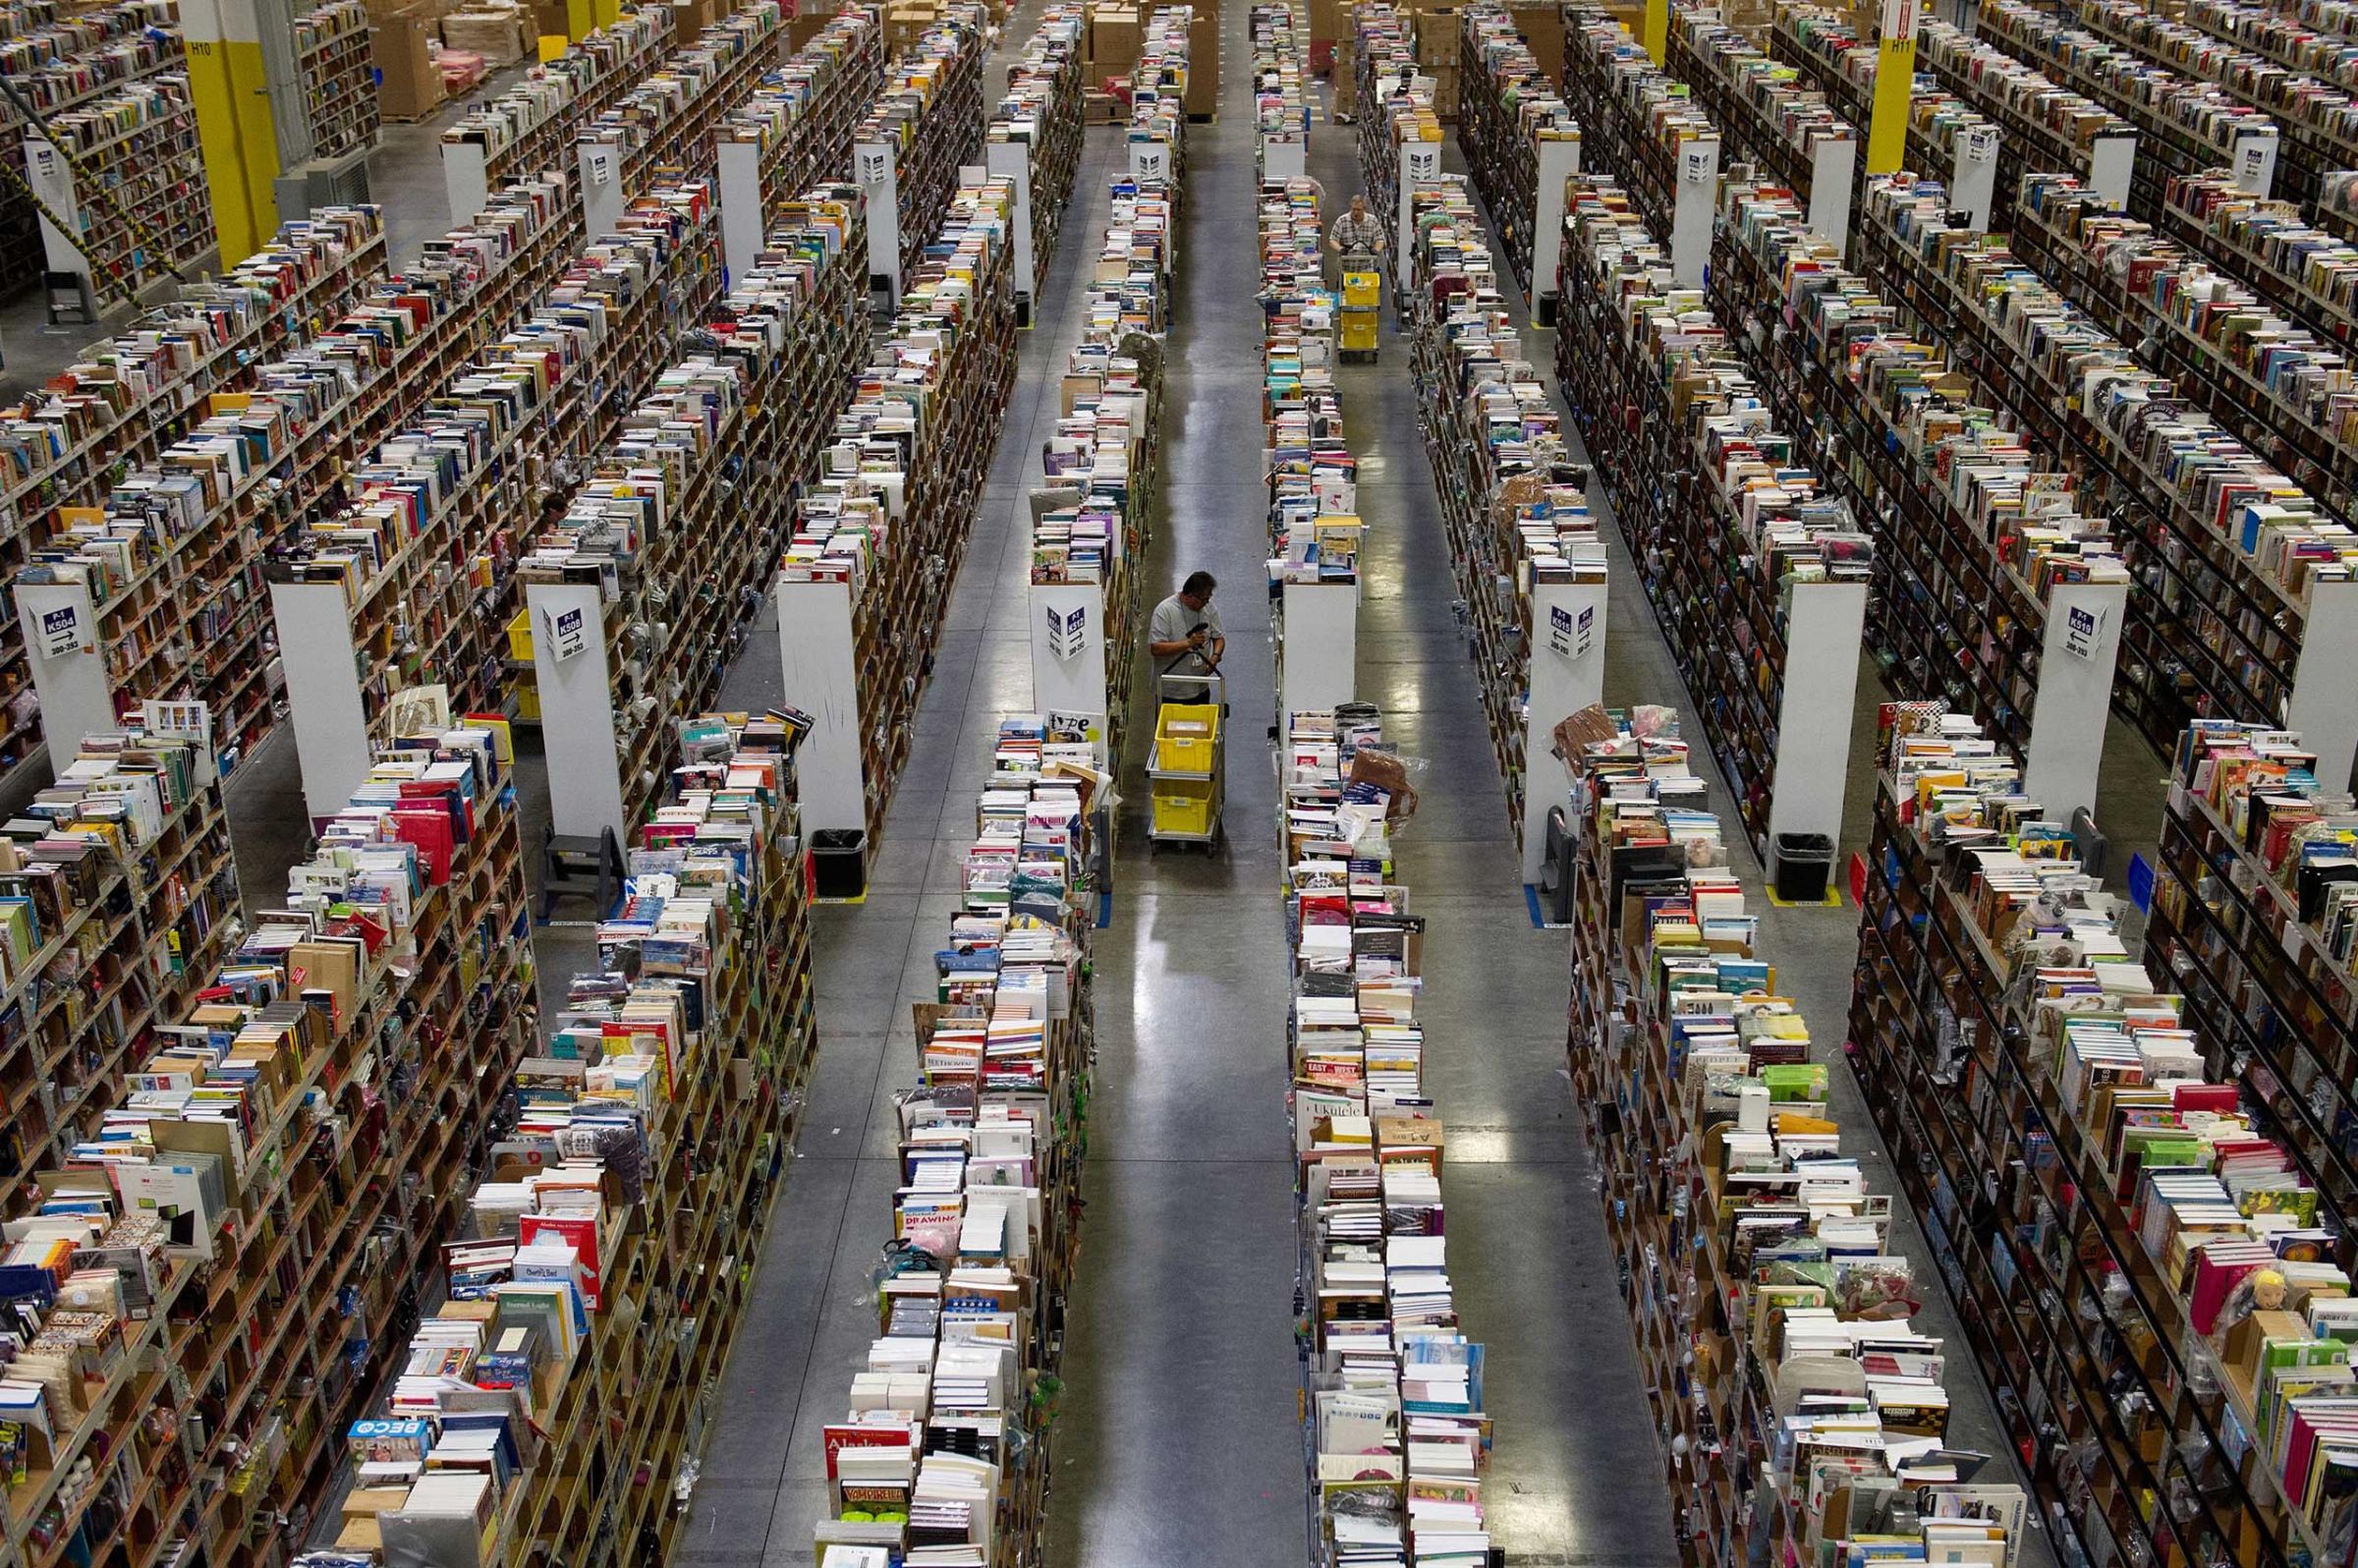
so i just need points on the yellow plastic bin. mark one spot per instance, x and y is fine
(1183, 807)
(1361, 290)
(519, 637)
(1187, 737)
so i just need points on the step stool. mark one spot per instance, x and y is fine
(572, 866)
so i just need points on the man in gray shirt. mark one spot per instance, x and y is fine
(1185, 638)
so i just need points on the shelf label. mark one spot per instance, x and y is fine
(1980, 144)
(62, 632)
(1695, 163)
(1150, 161)
(2080, 630)
(567, 637)
(875, 167)
(1559, 630)
(1424, 160)
(1068, 630)
(1584, 631)
(600, 163)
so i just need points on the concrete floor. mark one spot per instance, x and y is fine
(1179, 1440)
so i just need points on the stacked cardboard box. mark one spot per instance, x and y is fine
(501, 33)
(1437, 46)
(409, 83)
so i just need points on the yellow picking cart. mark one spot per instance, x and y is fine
(1185, 768)
(1363, 294)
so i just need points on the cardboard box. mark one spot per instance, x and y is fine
(1437, 38)
(1329, 20)
(499, 37)
(1114, 41)
(801, 28)
(1101, 108)
(1203, 61)
(409, 83)
(1543, 27)
(690, 18)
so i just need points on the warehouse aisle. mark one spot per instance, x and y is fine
(1182, 1441)
(813, 1310)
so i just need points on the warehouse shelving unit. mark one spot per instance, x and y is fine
(529, 128)
(1710, 1116)
(2234, 609)
(1520, 145)
(919, 135)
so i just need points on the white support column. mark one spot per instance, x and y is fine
(743, 211)
(2078, 650)
(1823, 634)
(1559, 161)
(465, 180)
(1833, 164)
(815, 652)
(1568, 674)
(53, 182)
(60, 625)
(1012, 162)
(1972, 180)
(2110, 162)
(1068, 647)
(577, 708)
(602, 196)
(323, 691)
(1419, 160)
(1317, 665)
(2255, 166)
(1150, 159)
(880, 182)
(1693, 202)
(2325, 683)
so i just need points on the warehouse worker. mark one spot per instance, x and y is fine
(1354, 233)
(1185, 638)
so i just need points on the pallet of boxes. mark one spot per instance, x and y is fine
(502, 35)
(1115, 37)
(1111, 50)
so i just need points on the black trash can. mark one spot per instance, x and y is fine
(838, 863)
(1804, 864)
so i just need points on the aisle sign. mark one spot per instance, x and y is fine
(1423, 161)
(2080, 630)
(61, 633)
(1584, 631)
(1980, 144)
(566, 635)
(1068, 630)
(1695, 162)
(1559, 630)
(1150, 160)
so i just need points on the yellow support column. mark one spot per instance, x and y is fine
(605, 13)
(578, 18)
(229, 87)
(1657, 30)
(1894, 83)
